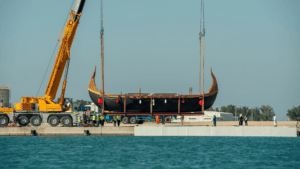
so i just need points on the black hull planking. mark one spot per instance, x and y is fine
(159, 104)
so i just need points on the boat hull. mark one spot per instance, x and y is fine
(158, 104)
(153, 104)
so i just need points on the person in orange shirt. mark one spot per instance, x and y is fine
(157, 119)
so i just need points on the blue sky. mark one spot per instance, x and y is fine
(253, 48)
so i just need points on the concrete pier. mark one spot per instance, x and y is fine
(255, 129)
(56, 131)
(216, 131)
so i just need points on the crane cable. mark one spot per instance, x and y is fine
(53, 51)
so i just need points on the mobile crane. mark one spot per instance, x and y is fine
(49, 111)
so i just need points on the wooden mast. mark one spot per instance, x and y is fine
(102, 57)
(200, 36)
(203, 103)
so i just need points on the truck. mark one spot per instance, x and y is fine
(141, 119)
(37, 110)
(138, 119)
(130, 119)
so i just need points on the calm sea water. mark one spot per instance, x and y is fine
(149, 152)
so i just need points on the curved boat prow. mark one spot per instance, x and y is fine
(214, 86)
(92, 85)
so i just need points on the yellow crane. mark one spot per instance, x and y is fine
(46, 104)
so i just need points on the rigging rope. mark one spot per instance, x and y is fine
(53, 52)
(203, 17)
(101, 16)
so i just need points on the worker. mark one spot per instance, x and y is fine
(241, 120)
(157, 119)
(214, 120)
(72, 120)
(102, 120)
(115, 121)
(275, 120)
(97, 120)
(79, 121)
(94, 118)
(119, 120)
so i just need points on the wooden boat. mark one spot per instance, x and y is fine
(147, 104)
(153, 104)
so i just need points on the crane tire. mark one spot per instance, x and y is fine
(66, 121)
(132, 120)
(167, 119)
(23, 121)
(53, 121)
(3, 121)
(35, 121)
(125, 120)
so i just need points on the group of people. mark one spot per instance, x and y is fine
(117, 119)
(241, 119)
(99, 120)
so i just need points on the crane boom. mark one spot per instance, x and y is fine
(63, 54)
(62, 60)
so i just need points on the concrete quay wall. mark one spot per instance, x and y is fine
(53, 131)
(236, 123)
(216, 131)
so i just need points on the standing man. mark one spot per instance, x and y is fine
(97, 120)
(72, 120)
(241, 120)
(157, 119)
(115, 121)
(275, 120)
(102, 120)
(79, 121)
(118, 120)
(246, 121)
(215, 120)
(94, 119)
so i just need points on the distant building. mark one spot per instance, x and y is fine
(4, 96)
(208, 116)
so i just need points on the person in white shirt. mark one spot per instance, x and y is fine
(275, 120)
